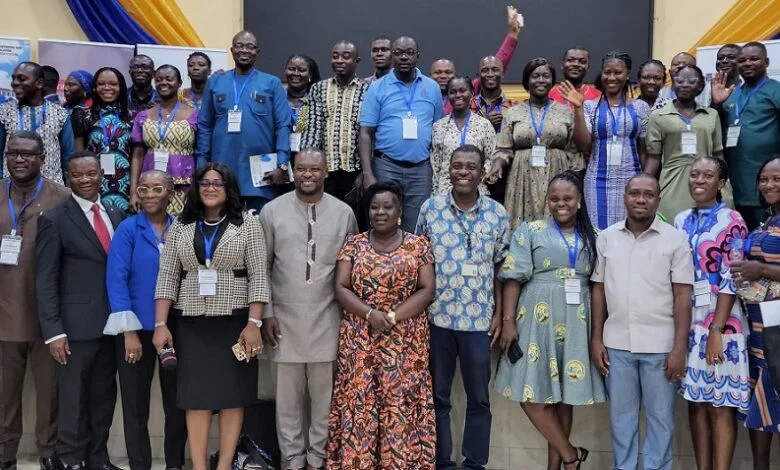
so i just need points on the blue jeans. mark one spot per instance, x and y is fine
(473, 349)
(415, 181)
(636, 379)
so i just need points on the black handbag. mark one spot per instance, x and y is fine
(249, 456)
(772, 354)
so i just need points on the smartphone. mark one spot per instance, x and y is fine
(515, 353)
(239, 351)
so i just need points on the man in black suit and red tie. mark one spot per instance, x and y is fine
(70, 285)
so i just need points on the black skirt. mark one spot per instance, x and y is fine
(208, 376)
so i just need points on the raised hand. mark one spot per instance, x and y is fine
(571, 94)
(720, 92)
(514, 20)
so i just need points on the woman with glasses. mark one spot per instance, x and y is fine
(164, 138)
(651, 78)
(300, 73)
(678, 133)
(104, 128)
(131, 276)
(212, 280)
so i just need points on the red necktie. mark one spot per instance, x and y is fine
(100, 228)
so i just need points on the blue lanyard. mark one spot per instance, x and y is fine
(466, 230)
(540, 128)
(499, 105)
(694, 229)
(410, 98)
(686, 120)
(465, 129)
(34, 123)
(208, 242)
(739, 107)
(161, 240)
(14, 217)
(572, 250)
(612, 115)
(296, 112)
(160, 131)
(236, 92)
(106, 136)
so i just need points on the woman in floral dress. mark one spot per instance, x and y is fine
(382, 414)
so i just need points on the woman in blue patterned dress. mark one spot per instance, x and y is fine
(762, 271)
(612, 129)
(550, 323)
(716, 382)
(104, 128)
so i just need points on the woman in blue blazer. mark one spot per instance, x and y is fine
(133, 260)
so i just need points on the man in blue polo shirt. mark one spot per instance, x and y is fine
(244, 118)
(395, 129)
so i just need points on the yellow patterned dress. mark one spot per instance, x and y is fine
(555, 367)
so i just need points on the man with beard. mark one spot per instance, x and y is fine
(47, 119)
(396, 125)
(301, 324)
(333, 119)
(141, 95)
(244, 122)
(199, 70)
(753, 126)
(444, 69)
(576, 62)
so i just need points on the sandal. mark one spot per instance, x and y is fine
(582, 455)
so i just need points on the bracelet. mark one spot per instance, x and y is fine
(714, 327)
(368, 315)
(256, 321)
(391, 316)
(159, 324)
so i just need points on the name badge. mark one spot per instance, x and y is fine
(688, 143)
(161, 160)
(573, 289)
(732, 136)
(614, 153)
(468, 270)
(10, 248)
(701, 293)
(234, 121)
(107, 164)
(409, 125)
(261, 165)
(295, 142)
(538, 153)
(207, 282)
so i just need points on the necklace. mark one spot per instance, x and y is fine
(214, 224)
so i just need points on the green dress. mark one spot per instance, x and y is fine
(554, 336)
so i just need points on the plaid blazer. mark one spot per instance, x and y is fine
(239, 248)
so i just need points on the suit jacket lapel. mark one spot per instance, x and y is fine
(115, 215)
(80, 220)
(230, 232)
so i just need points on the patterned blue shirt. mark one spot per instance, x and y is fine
(464, 303)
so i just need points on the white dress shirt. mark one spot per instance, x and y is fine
(86, 206)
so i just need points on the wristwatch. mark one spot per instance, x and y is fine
(256, 321)
(283, 166)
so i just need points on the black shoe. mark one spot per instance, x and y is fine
(50, 463)
(10, 465)
(78, 466)
(107, 466)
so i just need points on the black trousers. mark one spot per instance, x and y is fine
(341, 185)
(135, 381)
(87, 396)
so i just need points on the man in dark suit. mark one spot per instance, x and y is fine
(70, 284)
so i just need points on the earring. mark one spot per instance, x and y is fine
(399, 221)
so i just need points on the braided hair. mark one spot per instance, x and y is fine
(723, 169)
(582, 223)
(650, 62)
(623, 57)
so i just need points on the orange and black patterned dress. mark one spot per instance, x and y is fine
(382, 411)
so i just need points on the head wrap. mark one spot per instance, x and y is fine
(84, 78)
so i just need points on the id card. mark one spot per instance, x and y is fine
(701, 293)
(10, 248)
(732, 136)
(207, 282)
(107, 164)
(261, 165)
(295, 142)
(770, 313)
(614, 153)
(409, 124)
(538, 153)
(161, 160)
(468, 270)
(234, 121)
(688, 143)
(573, 289)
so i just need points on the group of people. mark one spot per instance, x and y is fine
(369, 235)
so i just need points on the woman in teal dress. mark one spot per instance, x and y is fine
(546, 282)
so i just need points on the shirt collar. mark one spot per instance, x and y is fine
(473, 208)
(655, 226)
(393, 79)
(669, 108)
(355, 81)
(86, 205)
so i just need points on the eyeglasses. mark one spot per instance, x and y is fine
(407, 52)
(24, 155)
(135, 67)
(144, 191)
(205, 184)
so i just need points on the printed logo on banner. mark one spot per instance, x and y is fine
(12, 51)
